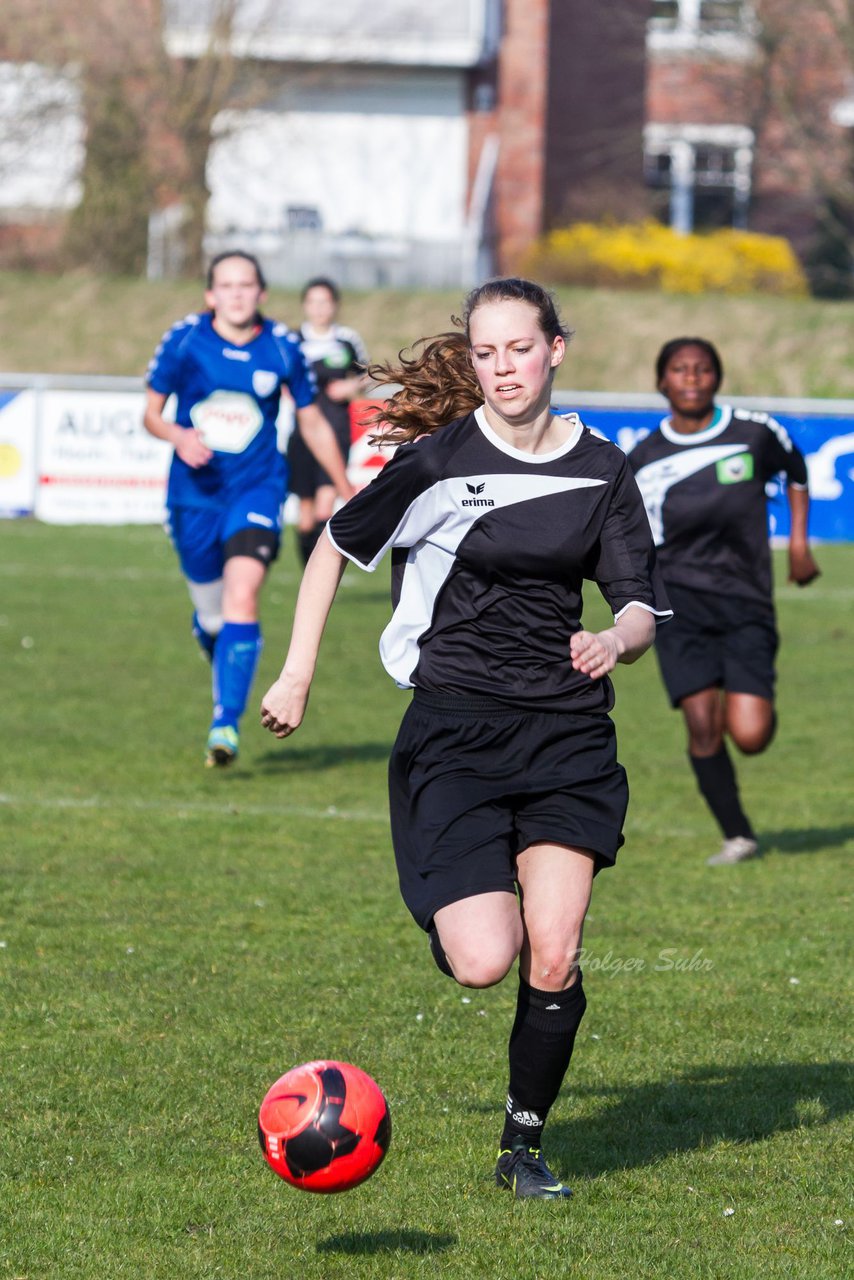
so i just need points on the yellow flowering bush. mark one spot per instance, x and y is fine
(648, 255)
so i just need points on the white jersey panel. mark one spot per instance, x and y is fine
(656, 478)
(435, 545)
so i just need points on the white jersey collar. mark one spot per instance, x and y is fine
(576, 425)
(698, 437)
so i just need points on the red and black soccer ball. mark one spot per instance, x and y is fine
(324, 1126)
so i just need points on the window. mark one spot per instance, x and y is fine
(701, 176)
(700, 16)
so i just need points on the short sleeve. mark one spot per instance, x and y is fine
(164, 369)
(624, 563)
(297, 376)
(784, 455)
(393, 510)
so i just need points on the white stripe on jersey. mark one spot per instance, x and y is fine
(434, 526)
(656, 478)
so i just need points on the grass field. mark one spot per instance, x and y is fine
(172, 940)
(78, 323)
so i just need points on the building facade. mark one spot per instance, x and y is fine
(393, 143)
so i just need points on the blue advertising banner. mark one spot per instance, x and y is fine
(827, 442)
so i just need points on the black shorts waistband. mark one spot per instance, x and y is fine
(454, 704)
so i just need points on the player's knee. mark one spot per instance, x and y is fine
(552, 968)
(704, 738)
(752, 739)
(483, 966)
(753, 743)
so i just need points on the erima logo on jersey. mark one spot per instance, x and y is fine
(231, 354)
(477, 502)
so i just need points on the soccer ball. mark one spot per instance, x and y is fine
(324, 1126)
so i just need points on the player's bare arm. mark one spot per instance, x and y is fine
(283, 705)
(186, 441)
(802, 566)
(320, 439)
(595, 653)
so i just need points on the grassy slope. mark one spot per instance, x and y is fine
(770, 346)
(174, 940)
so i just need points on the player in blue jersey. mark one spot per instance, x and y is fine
(506, 794)
(702, 476)
(226, 368)
(338, 359)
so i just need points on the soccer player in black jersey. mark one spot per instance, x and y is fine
(506, 794)
(702, 475)
(338, 359)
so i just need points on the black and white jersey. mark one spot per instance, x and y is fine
(490, 549)
(705, 498)
(338, 353)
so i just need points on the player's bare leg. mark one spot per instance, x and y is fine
(481, 937)
(709, 716)
(554, 884)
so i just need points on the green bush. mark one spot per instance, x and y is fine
(651, 256)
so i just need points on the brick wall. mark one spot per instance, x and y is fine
(521, 120)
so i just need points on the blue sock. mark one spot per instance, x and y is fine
(238, 648)
(207, 642)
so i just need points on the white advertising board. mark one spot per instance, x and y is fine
(17, 453)
(96, 462)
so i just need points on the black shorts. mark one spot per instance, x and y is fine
(305, 474)
(717, 642)
(472, 783)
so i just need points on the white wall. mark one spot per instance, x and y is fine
(378, 154)
(41, 139)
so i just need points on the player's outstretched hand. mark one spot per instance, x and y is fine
(283, 706)
(802, 568)
(594, 653)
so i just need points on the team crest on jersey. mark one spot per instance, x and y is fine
(264, 382)
(734, 470)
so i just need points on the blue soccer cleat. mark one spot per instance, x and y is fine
(522, 1170)
(222, 747)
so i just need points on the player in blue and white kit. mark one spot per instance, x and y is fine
(506, 794)
(227, 483)
(702, 476)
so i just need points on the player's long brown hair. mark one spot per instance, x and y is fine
(437, 380)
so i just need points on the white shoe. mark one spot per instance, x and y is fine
(737, 849)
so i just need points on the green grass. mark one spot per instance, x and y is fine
(173, 940)
(770, 346)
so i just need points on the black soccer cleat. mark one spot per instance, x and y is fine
(522, 1170)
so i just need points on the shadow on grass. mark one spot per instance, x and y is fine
(810, 840)
(364, 1242)
(642, 1124)
(322, 756)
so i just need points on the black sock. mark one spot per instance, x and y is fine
(719, 788)
(438, 953)
(307, 542)
(540, 1049)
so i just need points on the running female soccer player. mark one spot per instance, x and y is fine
(702, 475)
(227, 481)
(338, 359)
(506, 793)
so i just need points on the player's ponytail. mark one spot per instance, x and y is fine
(436, 385)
